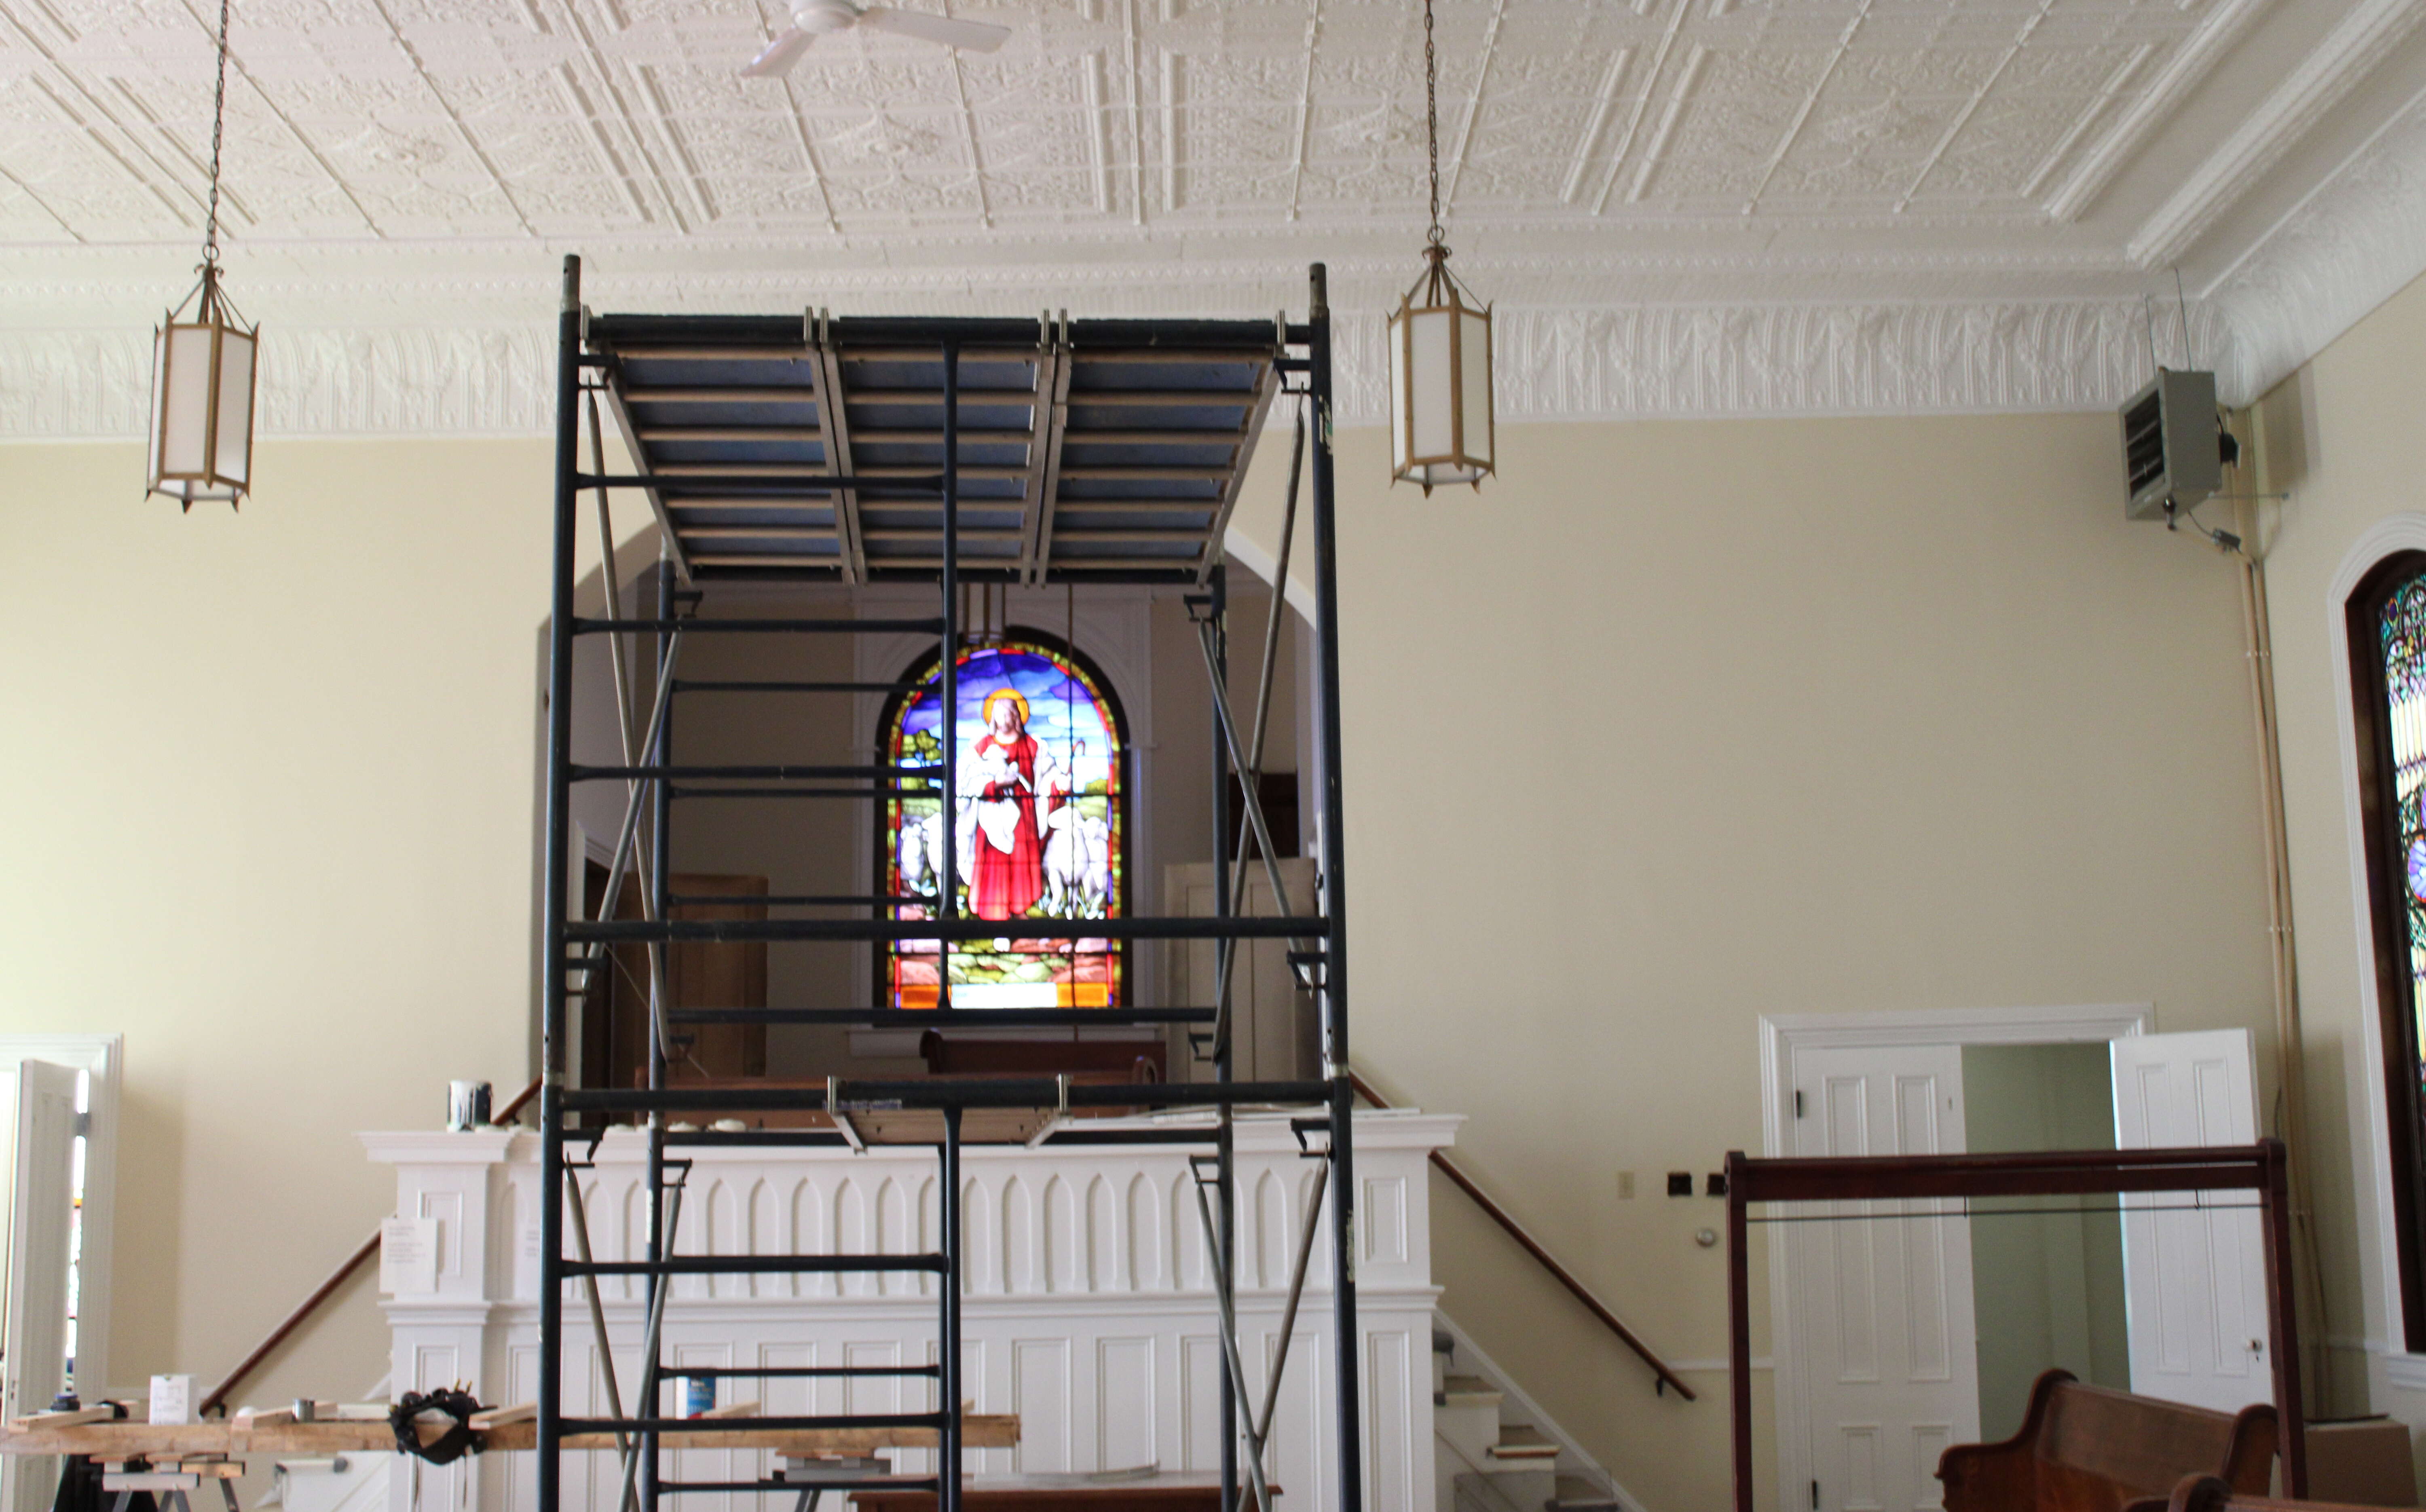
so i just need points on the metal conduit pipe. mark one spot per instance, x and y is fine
(2291, 1056)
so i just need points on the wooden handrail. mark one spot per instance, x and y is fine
(1533, 1247)
(320, 1293)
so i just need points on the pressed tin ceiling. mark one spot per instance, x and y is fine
(1904, 173)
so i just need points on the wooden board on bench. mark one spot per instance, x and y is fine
(129, 1441)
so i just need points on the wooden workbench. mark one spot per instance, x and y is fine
(315, 1440)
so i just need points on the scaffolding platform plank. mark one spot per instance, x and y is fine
(1050, 414)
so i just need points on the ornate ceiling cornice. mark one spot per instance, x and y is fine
(2352, 243)
(453, 338)
(1569, 364)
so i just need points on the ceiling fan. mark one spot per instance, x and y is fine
(810, 19)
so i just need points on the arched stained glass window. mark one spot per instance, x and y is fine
(2387, 640)
(1042, 830)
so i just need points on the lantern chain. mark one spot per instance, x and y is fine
(1432, 121)
(219, 126)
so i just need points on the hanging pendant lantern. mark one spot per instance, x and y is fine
(1440, 350)
(202, 399)
(202, 366)
(1440, 382)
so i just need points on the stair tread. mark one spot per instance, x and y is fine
(1522, 1441)
(1469, 1390)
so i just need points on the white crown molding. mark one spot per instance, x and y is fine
(2321, 81)
(2352, 243)
(1554, 364)
(2145, 112)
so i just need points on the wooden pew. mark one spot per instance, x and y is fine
(2087, 1449)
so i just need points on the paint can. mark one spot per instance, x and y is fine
(467, 1106)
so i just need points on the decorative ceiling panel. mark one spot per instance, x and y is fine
(552, 117)
(421, 161)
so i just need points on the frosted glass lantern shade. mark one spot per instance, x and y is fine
(1440, 387)
(202, 405)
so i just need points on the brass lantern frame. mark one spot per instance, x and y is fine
(1443, 294)
(213, 312)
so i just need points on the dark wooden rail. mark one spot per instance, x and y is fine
(216, 1401)
(2261, 1167)
(1667, 1379)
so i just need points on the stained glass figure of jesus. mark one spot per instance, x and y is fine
(1018, 786)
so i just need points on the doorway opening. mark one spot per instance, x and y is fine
(1902, 1326)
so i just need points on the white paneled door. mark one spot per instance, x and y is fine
(2194, 1264)
(1889, 1361)
(40, 1128)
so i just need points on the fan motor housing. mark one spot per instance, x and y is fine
(2173, 445)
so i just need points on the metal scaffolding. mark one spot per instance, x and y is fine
(1002, 452)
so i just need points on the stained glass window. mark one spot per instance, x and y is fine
(2402, 629)
(1041, 832)
(2387, 638)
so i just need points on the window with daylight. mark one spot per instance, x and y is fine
(2388, 641)
(1042, 830)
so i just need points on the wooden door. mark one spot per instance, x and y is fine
(1888, 1357)
(699, 975)
(2193, 1263)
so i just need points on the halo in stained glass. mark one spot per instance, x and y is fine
(1040, 831)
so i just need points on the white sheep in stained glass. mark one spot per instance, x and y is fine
(1077, 863)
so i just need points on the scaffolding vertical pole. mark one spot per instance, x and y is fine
(947, 900)
(1347, 1348)
(1225, 1184)
(660, 981)
(553, 893)
(948, 1343)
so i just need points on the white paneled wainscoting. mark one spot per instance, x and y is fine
(1089, 1310)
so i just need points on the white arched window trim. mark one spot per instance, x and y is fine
(2386, 537)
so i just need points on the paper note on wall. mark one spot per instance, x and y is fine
(409, 1256)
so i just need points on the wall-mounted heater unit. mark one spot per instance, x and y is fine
(2174, 445)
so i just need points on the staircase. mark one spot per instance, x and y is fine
(1493, 1450)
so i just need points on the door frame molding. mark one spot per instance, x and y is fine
(104, 1057)
(1783, 1035)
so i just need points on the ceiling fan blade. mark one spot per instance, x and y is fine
(779, 54)
(975, 35)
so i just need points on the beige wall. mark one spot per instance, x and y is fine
(271, 817)
(1675, 724)
(2341, 437)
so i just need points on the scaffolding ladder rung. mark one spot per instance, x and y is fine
(883, 1483)
(757, 1265)
(796, 1372)
(760, 627)
(931, 1018)
(636, 932)
(791, 1424)
(774, 773)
